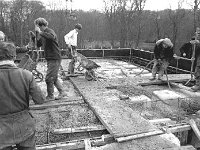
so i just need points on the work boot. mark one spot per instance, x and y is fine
(50, 91)
(160, 78)
(61, 95)
(71, 67)
(50, 98)
(195, 88)
(152, 78)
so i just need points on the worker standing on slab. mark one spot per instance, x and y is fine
(71, 41)
(163, 52)
(17, 125)
(47, 38)
(196, 58)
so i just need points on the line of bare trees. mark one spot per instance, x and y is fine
(123, 23)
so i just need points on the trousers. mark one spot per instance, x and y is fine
(159, 67)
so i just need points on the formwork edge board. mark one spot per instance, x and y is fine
(136, 136)
(45, 106)
(79, 129)
(179, 128)
(160, 120)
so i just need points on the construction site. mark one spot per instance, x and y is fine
(121, 109)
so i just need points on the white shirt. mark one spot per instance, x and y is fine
(71, 38)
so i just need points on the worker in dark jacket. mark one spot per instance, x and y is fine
(17, 125)
(196, 47)
(47, 38)
(163, 52)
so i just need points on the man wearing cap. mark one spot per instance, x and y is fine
(163, 52)
(47, 38)
(71, 41)
(17, 125)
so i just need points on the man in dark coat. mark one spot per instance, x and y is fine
(186, 50)
(17, 125)
(48, 40)
(163, 52)
(196, 87)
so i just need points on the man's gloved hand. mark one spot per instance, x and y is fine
(31, 34)
(192, 59)
(159, 60)
(37, 29)
(69, 46)
(30, 45)
(194, 41)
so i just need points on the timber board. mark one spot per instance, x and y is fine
(118, 118)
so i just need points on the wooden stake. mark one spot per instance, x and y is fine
(195, 128)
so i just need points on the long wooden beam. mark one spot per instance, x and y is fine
(80, 129)
(53, 105)
(195, 128)
(136, 136)
(172, 129)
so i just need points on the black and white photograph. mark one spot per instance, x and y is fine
(99, 74)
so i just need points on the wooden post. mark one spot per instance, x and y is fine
(195, 128)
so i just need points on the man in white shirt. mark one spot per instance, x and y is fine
(71, 41)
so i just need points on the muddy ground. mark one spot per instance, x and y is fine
(71, 116)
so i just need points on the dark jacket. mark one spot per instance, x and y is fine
(49, 42)
(17, 85)
(197, 54)
(187, 49)
(163, 53)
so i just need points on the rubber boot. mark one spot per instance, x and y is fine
(196, 87)
(161, 72)
(152, 78)
(71, 67)
(59, 87)
(50, 91)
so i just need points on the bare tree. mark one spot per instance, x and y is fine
(111, 7)
(195, 6)
(4, 15)
(176, 18)
(157, 25)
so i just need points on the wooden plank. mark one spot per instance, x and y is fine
(132, 137)
(117, 117)
(71, 146)
(195, 128)
(68, 99)
(79, 129)
(88, 145)
(188, 147)
(163, 120)
(156, 82)
(179, 128)
(178, 78)
(53, 105)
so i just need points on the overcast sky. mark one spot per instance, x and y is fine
(98, 4)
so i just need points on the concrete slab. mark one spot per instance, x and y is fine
(130, 66)
(168, 94)
(141, 99)
(112, 111)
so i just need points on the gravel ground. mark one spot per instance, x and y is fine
(69, 116)
(81, 115)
